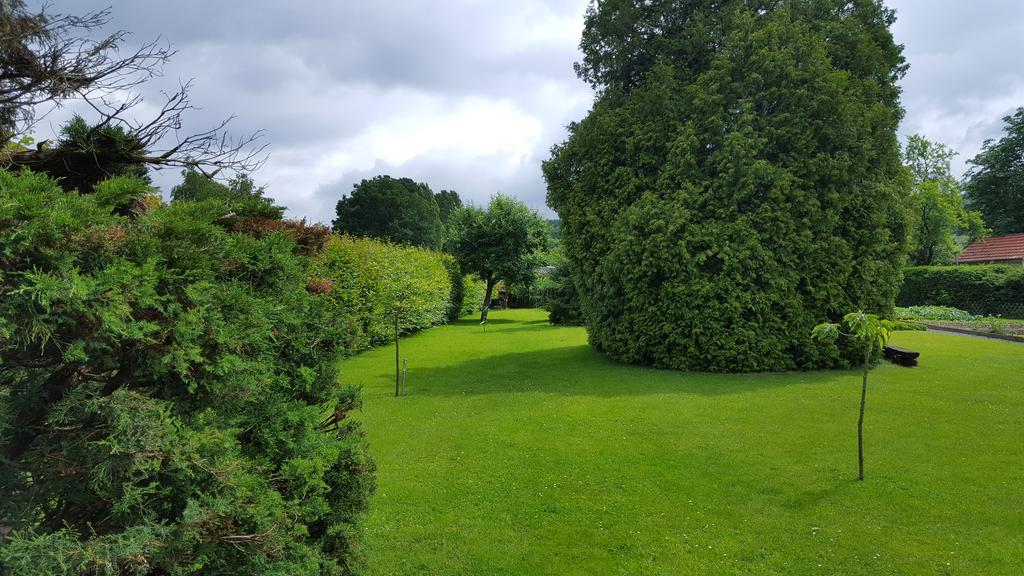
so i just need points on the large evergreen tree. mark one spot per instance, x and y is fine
(397, 209)
(737, 181)
(995, 185)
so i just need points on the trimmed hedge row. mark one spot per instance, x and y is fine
(988, 290)
(369, 279)
(473, 290)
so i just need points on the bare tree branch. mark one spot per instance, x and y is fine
(51, 59)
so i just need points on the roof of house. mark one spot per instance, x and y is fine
(1009, 247)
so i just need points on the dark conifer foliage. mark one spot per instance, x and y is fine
(737, 181)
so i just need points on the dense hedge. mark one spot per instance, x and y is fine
(989, 290)
(372, 278)
(560, 298)
(473, 290)
(467, 291)
(736, 182)
(168, 391)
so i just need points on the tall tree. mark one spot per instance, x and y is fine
(501, 243)
(737, 179)
(448, 202)
(937, 214)
(397, 209)
(240, 194)
(995, 184)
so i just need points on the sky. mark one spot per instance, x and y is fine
(470, 95)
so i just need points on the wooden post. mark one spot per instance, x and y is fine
(398, 372)
(860, 420)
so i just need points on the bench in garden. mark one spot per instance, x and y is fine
(900, 356)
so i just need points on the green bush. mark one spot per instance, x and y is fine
(942, 313)
(467, 291)
(473, 290)
(561, 299)
(170, 396)
(372, 278)
(983, 290)
(907, 326)
(736, 182)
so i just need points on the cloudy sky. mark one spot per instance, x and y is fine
(471, 94)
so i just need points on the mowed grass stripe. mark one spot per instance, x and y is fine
(520, 451)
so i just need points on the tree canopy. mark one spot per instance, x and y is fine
(737, 179)
(448, 202)
(240, 195)
(500, 243)
(397, 209)
(995, 183)
(937, 215)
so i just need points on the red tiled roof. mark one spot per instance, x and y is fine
(1010, 247)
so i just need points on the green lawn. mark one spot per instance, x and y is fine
(520, 451)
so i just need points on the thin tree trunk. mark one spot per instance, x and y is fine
(860, 421)
(398, 372)
(487, 300)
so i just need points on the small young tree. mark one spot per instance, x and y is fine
(871, 332)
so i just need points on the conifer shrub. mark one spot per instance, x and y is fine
(168, 394)
(560, 298)
(737, 180)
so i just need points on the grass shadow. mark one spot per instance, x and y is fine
(579, 370)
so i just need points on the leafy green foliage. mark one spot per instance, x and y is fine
(995, 184)
(934, 313)
(372, 279)
(868, 329)
(937, 212)
(448, 202)
(85, 155)
(502, 243)
(395, 209)
(240, 196)
(169, 394)
(987, 290)
(737, 179)
(871, 333)
(907, 326)
(467, 291)
(561, 299)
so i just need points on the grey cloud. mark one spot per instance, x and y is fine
(318, 74)
(965, 71)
